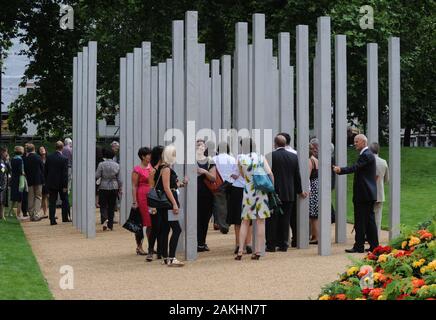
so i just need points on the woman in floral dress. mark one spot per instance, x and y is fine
(255, 202)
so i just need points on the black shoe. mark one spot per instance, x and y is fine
(248, 249)
(313, 242)
(236, 250)
(201, 248)
(269, 249)
(282, 249)
(53, 223)
(224, 230)
(354, 250)
(293, 244)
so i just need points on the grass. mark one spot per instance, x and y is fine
(20, 275)
(418, 185)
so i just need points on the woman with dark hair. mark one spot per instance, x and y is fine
(314, 193)
(42, 152)
(156, 219)
(255, 202)
(205, 170)
(140, 189)
(110, 187)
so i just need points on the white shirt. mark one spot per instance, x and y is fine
(240, 182)
(290, 149)
(363, 150)
(225, 164)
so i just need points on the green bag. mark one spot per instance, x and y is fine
(22, 184)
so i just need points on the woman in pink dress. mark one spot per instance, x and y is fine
(140, 189)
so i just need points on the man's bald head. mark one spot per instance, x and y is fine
(360, 142)
(280, 141)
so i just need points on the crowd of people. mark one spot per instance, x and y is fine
(31, 182)
(228, 192)
(230, 189)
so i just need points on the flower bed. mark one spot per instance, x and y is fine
(404, 270)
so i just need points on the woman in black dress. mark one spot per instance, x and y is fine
(17, 170)
(205, 170)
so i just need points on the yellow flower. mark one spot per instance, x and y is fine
(432, 265)
(381, 297)
(414, 241)
(360, 299)
(324, 297)
(419, 263)
(352, 271)
(423, 270)
(382, 258)
(403, 244)
(376, 276)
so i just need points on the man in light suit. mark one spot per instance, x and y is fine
(382, 177)
(364, 195)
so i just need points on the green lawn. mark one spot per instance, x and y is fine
(20, 276)
(418, 185)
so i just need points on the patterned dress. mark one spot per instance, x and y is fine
(255, 202)
(314, 189)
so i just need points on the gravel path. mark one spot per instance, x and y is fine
(108, 268)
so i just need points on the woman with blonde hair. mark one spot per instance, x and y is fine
(166, 180)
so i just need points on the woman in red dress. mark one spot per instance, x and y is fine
(140, 189)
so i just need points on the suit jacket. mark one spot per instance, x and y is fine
(364, 186)
(56, 171)
(287, 178)
(34, 169)
(382, 172)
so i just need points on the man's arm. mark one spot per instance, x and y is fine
(386, 179)
(362, 162)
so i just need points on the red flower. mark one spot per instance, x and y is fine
(366, 291)
(400, 253)
(386, 283)
(372, 256)
(341, 296)
(418, 283)
(402, 296)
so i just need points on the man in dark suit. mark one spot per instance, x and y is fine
(364, 195)
(34, 170)
(56, 175)
(287, 183)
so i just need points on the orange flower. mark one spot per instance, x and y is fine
(341, 296)
(426, 236)
(375, 293)
(418, 283)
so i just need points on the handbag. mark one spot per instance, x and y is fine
(214, 186)
(158, 198)
(261, 180)
(134, 223)
(274, 203)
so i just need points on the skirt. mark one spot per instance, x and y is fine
(235, 206)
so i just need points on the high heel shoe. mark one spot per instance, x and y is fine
(238, 256)
(255, 256)
(140, 252)
(149, 257)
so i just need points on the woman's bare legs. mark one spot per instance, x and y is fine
(260, 235)
(245, 225)
(237, 230)
(44, 204)
(314, 229)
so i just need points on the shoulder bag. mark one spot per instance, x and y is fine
(158, 198)
(261, 180)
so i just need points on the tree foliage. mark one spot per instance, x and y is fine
(121, 25)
